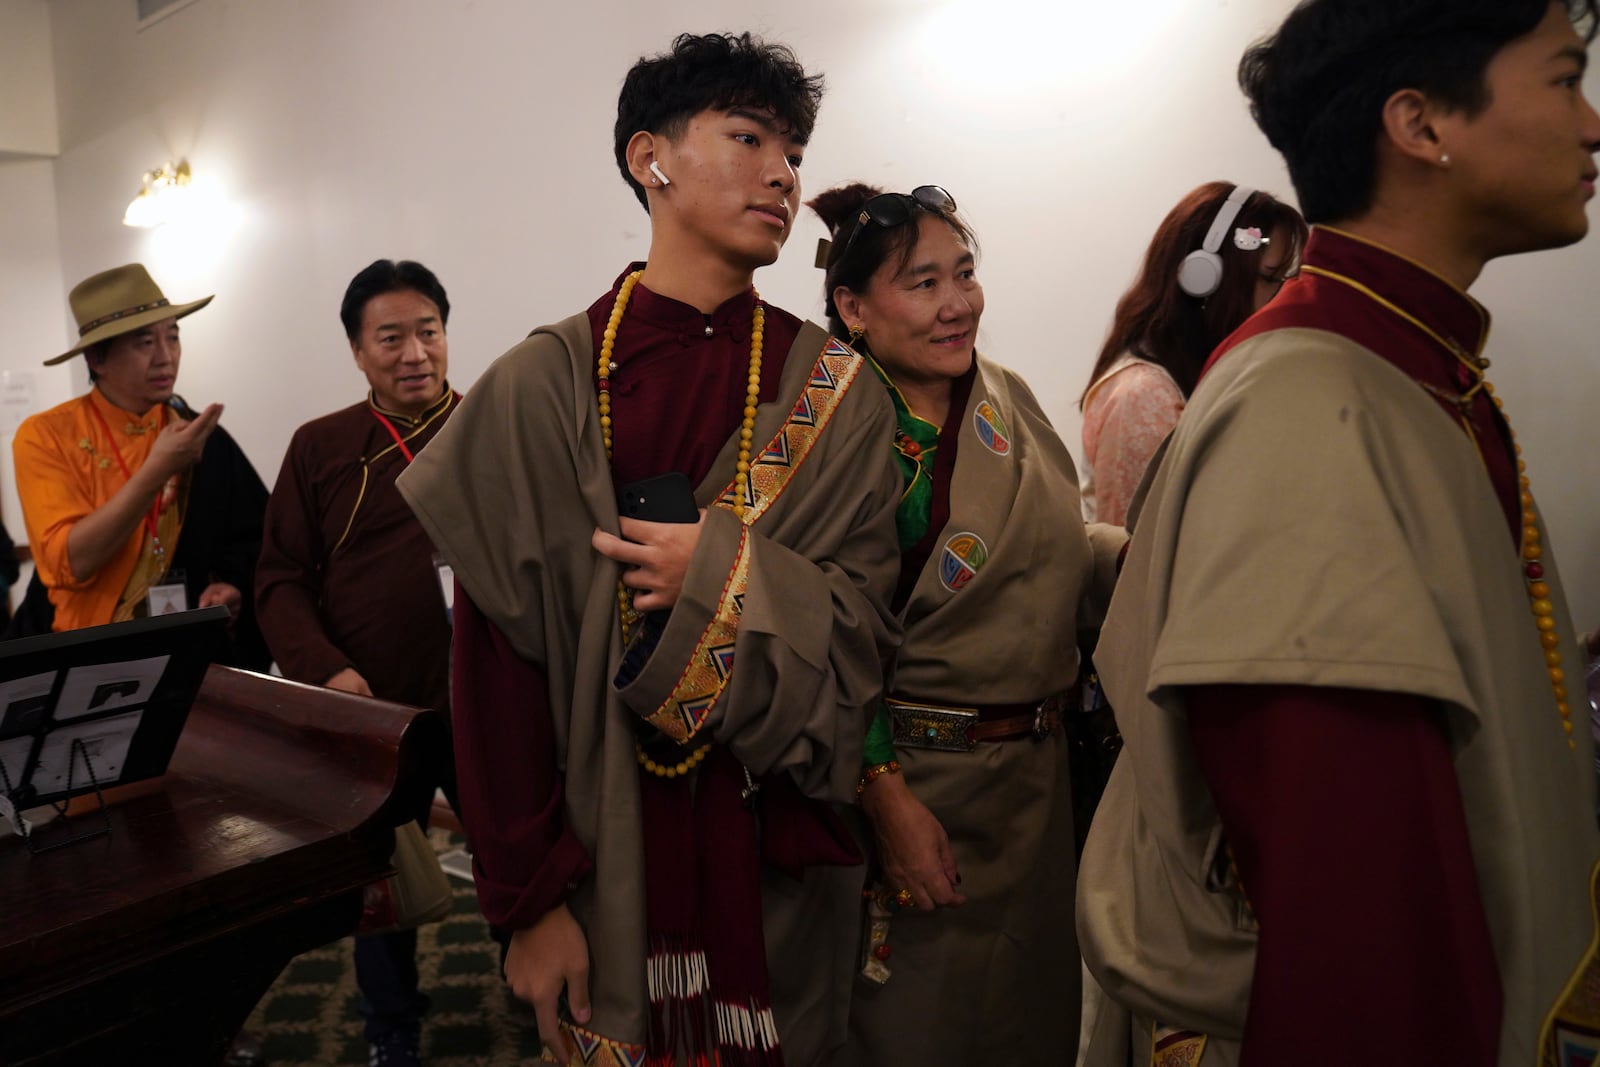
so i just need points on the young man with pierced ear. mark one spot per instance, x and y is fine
(653, 719)
(1354, 819)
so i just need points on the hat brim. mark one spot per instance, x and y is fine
(128, 325)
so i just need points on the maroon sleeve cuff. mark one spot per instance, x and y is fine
(294, 636)
(515, 907)
(315, 665)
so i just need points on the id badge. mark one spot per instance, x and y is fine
(447, 586)
(168, 599)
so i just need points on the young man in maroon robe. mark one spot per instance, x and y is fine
(348, 593)
(647, 767)
(1354, 820)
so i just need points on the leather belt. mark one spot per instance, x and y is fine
(941, 727)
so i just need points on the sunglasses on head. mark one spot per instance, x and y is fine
(888, 210)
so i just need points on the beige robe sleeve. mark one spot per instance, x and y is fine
(1106, 541)
(1291, 556)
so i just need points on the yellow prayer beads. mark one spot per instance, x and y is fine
(752, 397)
(741, 478)
(671, 770)
(1539, 601)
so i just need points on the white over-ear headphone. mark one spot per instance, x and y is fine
(1201, 271)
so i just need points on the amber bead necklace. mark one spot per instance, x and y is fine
(741, 478)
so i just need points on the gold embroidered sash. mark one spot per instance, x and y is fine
(683, 713)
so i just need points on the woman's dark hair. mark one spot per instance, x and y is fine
(839, 209)
(386, 276)
(1318, 86)
(713, 71)
(1158, 321)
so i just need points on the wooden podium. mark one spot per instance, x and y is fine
(153, 943)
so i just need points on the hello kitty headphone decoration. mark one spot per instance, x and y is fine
(1200, 274)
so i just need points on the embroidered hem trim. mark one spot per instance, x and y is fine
(684, 712)
(706, 675)
(832, 375)
(1170, 1047)
(597, 1051)
(1571, 1032)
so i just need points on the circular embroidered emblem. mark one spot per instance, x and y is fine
(963, 556)
(991, 429)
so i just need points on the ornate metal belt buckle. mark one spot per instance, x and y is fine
(942, 729)
(1046, 717)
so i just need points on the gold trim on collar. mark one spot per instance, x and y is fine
(1396, 253)
(427, 415)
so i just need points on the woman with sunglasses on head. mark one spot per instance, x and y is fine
(1218, 256)
(970, 954)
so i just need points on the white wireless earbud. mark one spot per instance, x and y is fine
(655, 168)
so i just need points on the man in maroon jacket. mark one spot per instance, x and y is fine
(349, 596)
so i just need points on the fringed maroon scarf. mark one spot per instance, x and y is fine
(706, 970)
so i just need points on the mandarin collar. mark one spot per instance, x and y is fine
(413, 421)
(120, 419)
(731, 319)
(1404, 282)
(908, 420)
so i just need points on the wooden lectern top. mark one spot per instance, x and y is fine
(278, 805)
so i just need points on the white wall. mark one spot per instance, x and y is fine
(30, 253)
(474, 135)
(32, 306)
(28, 114)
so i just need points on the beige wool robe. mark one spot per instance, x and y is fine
(993, 620)
(511, 491)
(1408, 586)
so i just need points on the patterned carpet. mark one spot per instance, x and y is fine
(309, 1018)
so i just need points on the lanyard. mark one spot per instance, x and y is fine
(152, 518)
(394, 433)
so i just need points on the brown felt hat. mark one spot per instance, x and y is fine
(119, 301)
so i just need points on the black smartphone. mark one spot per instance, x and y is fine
(182, 408)
(665, 498)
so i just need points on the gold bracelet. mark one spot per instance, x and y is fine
(876, 771)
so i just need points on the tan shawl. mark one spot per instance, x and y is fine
(775, 645)
(992, 619)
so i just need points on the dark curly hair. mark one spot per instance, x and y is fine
(1317, 87)
(713, 71)
(839, 209)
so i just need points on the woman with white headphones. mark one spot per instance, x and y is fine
(1217, 257)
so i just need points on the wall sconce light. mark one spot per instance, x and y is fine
(160, 197)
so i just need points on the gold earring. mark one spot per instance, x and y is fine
(857, 332)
